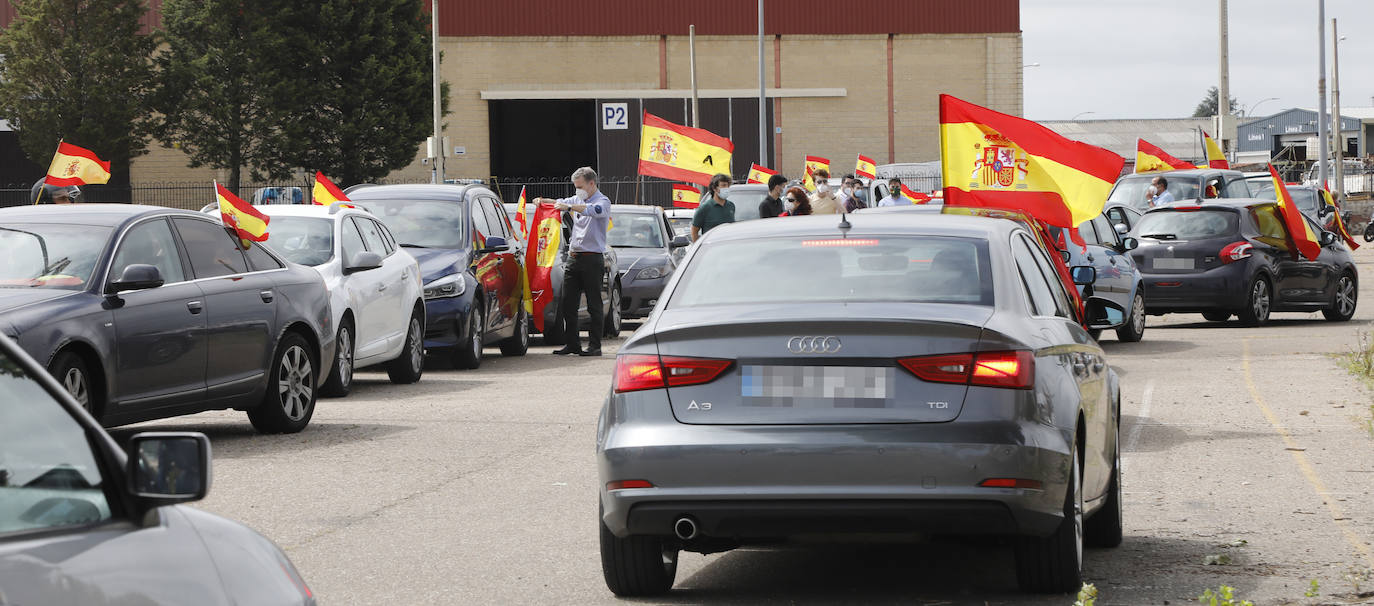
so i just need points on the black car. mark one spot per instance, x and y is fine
(1187, 184)
(145, 312)
(646, 245)
(1229, 257)
(469, 264)
(554, 333)
(82, 522)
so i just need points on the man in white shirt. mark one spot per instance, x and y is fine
(1159, 192)
(894, 194)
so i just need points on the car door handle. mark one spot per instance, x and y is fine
(266, 295)
(194, 306)
(381, 287)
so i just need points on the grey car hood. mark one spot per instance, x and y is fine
(635, 258)
(19, 298)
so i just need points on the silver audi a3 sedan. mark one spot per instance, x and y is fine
(893, 373)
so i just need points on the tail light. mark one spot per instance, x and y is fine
(1010, 369)
(640, 372)
(1236, 251)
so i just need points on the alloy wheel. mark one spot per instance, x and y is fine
(1138, 314)
(1259, 299)
(1345, 296)
(75, 383)
(476, 334)
(1078, 510)
(417, 344)
(295, 382)
(345, 357)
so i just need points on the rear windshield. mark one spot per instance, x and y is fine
(1305, 197)
(904, 269)
(1133, 191)
(304, 240)
(1188, 225)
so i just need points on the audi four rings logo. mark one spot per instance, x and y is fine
(800, 345)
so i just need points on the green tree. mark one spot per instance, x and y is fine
(223, 62)
(77, 70)
(363, 93)
(1208, 105)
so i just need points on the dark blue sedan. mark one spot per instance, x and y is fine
(144, 312)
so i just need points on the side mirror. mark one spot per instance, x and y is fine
(363, 261)
(136, 276)
(166, 468)
(494, 244)
(1103, 313)
(1326, 210)
(1122, 229)
(1064, 254)
(680, 241)
(1130, 243)
(1083, 275)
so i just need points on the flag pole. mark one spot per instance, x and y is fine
(763, 99)
(1323, 150)
(692, 65)
(44, 180)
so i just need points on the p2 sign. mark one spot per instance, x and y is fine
(613, 116)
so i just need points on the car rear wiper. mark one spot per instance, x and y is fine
(1161, 236)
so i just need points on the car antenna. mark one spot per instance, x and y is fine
(845, 225)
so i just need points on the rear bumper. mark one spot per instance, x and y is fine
(1221, 288)
(785, 481)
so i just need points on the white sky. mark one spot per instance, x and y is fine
(1157, 58)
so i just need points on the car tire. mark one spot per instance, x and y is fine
(612, 328)
(71, 372)
(341, 375)
(408, 366)
(519, 343)
(1216, 316)
(637, 566)
(289, 401)
(553, 333)
(1103, 529)
(1134, 328)
(1258, 302)
(468, 356)
(1054, 564)
(1344, 300)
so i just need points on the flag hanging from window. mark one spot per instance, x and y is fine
(1149, 158)
(246, 222)
(325, 192)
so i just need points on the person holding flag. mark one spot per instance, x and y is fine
(586, 265)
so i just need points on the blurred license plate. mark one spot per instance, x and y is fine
(817, 386)
(1173, 263)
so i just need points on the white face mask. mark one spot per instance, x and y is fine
(722, 193)
(582, 194)
(791, 206)
(1153, 191)
(823, 187)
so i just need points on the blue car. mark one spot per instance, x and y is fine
(469, 265)
(1116, 299)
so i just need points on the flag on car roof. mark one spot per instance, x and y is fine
(240, 217)
(914, 197)
(866, 168)
(813, 164)
(1215, 159)
(541, 254)
(72, 165)
(681, 153)
(685, 196)
(760, 174)
(1339, 222)
(1304, 240)
(520, 214)
(325, 192)
(991, 159)
(1152, 159)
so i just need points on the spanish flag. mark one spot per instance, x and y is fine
(914, 197)
(1215, 159)
(1340, 223)
(813, 164)
(72, 165)
(866, 167)
(1304, 240)
(682, 153)
(540, 256)
(1151, 159)
(240, 217)
(991, 159)
(325, 192)
(685, 196)
(760, 174)
(520, 214)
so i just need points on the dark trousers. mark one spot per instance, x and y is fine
(583, 273)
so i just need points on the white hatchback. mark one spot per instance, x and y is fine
(374, 287)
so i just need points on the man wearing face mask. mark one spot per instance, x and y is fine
(716, 207)
(1159, 192)
(585, 268)
(824, 202)
(849, 194)
(772, 206)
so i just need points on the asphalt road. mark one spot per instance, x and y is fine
(479, 487)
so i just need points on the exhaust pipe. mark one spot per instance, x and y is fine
(685, 528)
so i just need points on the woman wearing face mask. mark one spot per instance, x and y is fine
(797, 203)
(716, 207)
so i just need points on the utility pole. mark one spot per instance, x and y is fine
(763, 99)
(1322, 137)
(692, 65)
(1223, 125)
(438, 148)
(1336, 111)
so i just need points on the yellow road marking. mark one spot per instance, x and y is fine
(1300, 456)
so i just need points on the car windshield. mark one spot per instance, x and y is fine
(1187, 225)
(420, 223)
(1305, 197)
(48, 255)
(791, 270)
(48, 473)
(304, 240)
(1133, 191)
(635, 230)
